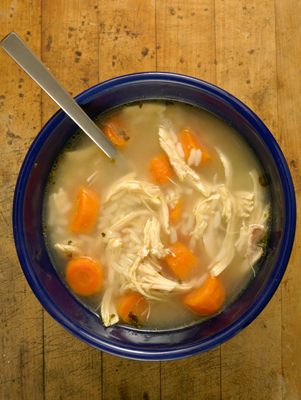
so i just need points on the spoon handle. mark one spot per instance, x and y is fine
(27, 60)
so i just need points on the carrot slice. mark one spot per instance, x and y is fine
(116, 132)
(207, 299)
(174, 213)
(160, 169)
(182, 262)
(132, 308)
(84, 275)
(189, 142)
(85, 211)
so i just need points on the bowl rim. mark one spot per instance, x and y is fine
(280, 267)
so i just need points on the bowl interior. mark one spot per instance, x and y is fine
(28, 230)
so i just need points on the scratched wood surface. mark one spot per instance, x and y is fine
(251, 49)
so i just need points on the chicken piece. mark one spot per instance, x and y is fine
(108, 311)
(227, 168)
(225, 256)
(226, 253)
(229, 206)
(245, 203)
(241, 242)
(153, 285)
(201, 211)
(181, 168)
(143, 276)
(152, 242)
(255, 252)
(247, 243)
(108, 308)
(151, 245)
(125, 220)
(67, 249)
(146, 192)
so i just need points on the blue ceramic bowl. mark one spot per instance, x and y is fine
(53, 295)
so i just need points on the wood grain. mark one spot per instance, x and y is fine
(127, 37)
(186, 45)
(288, 34)
(127, 44)
(21, 315)
(246, 67)
(249, 48)
(197, 377)
(70, 51)
(185, 34)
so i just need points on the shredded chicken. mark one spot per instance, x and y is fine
(152, 242)
(181, 168)
(201, 211)
(126, 219)
(108, 307)
(254, 252)
(146, 192)
(228, 202)
(144, 189)
(226, 254)
(151, 284)
(67, 249)
(245, 203)
(247, 243)
(227, 168)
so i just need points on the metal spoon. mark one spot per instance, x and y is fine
(27, 60)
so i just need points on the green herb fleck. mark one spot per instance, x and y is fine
(126, 138)
(262, 181)
(134, 320)
(69, 242)
(121, 132)
(103, 234)
(44, 228)
(264, 241)
(180, 282)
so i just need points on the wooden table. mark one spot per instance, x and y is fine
(249, 48)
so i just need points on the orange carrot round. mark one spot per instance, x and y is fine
(207, 299)
(85, 211)
(116, 132)
(132, 308)
(174, 213)
(160, 169)
(84, 276)
(181, 261)
(189, 142)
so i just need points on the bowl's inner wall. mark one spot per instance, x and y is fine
(39, 163)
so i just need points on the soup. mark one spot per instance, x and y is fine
(172, 240)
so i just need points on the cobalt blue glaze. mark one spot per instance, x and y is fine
(53, 295)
